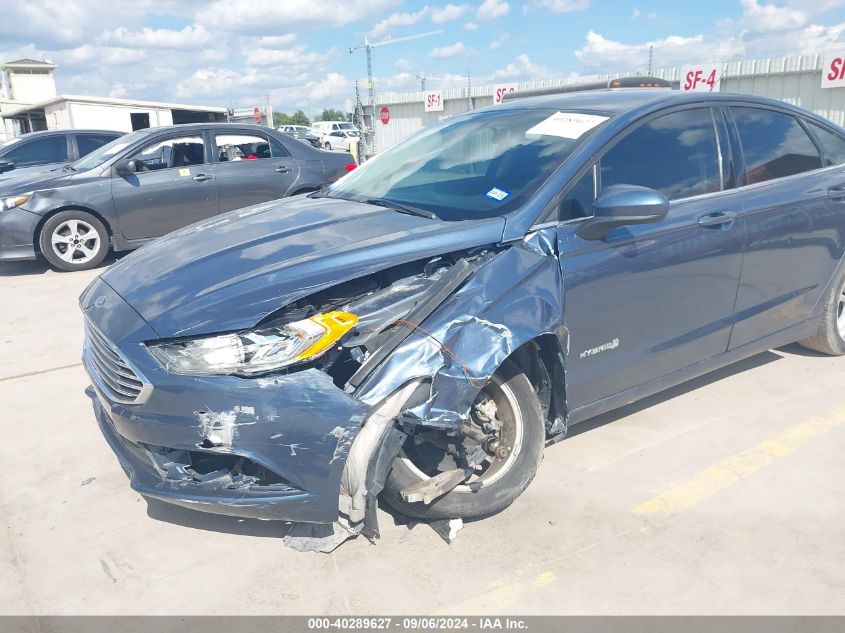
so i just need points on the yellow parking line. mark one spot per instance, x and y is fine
(731, 470)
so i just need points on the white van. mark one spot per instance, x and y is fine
(324, 128)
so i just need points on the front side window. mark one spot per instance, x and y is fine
(578, 201)
(183, 151)
(39, 151)
(237, 147)
(832, 144)
(774, 144)
(675, 154)
(477, 165)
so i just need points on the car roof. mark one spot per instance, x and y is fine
(625, 100)
(66, 132)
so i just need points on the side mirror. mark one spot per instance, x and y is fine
(126, 167)
(622, 205)
(6, 165)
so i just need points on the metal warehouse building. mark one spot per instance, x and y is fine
(796, 80)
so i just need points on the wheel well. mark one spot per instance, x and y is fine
(47, 216)
(303, 190)
(542, 360)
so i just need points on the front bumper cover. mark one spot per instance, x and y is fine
(295, 429)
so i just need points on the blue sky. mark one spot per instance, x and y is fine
(236, 52)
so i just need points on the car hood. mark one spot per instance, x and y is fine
(31, 181)
(231, 271)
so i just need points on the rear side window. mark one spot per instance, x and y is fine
(774, 145)
(87, 143)
(238, 147)
(832, 144)
(52, 149)
(676, 154)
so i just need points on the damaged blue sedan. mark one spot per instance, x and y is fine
(423, 327)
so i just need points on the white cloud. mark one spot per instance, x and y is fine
(562, 6)
(492, 9)
(276, 41)
(497, 43)
(296, 57)
(471, 26)
(403, 65)
(383, 27)
(448, 13)
(189, 37)
(520, 68)
(770, 17)
(289, 15)
(453, 50)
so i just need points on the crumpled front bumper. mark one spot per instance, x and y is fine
(268, 448)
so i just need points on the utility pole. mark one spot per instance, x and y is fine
(650, 59)
(422, 82)
(368, 48)
(469, 91)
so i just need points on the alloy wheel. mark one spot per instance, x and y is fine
(75, 241)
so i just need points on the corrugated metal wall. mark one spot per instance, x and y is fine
(796, 80)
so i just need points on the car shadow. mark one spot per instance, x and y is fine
(673, 392)
(41, 267)
(185, 517)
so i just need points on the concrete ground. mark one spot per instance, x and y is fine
(725, 495)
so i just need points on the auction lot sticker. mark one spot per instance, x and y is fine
(566, 124)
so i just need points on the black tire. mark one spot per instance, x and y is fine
(489, 499)
(830, 339)
(328, 147)
(91, 235)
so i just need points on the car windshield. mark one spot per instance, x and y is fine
(108, 151)
(473, 166)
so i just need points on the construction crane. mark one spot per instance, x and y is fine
(368, 47)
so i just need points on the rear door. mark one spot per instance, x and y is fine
(651, 299)
(793, 207)
(173, 187)
(250, 168)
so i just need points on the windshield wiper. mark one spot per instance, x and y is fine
(68, 167)
(402, 208)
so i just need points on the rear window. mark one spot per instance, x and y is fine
(39, 151)
(774, 144)
(832, 144)
(87, 143)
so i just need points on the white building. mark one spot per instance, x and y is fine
(29, 103)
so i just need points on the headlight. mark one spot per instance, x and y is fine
(257, 351)
(14, 201)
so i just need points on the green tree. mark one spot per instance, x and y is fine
(330, 114)
(297, 118)
(300, 118)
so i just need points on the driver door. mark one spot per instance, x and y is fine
(172, 187)
(651, 299)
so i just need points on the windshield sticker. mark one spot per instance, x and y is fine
(566, 125)
(497, 194)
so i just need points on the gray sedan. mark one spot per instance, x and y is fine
(151, 182)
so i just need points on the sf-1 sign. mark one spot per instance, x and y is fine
(433, 101)
(701, 78)
(833, 69)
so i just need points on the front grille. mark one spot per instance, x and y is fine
(110, 370)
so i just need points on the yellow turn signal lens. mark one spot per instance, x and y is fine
(335, 324)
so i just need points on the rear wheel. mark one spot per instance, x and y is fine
(830, 339)
(506, 423)
(74, 240)
(328, 146)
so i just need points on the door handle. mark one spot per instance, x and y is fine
(715, 220)
(836, 193)
(283, 169)
(203, 177)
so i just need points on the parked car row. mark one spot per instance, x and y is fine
(329, 135)
(423, 327)
(42, 151)
(150, 182)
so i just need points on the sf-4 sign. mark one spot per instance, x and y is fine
(433, 101)
(833, 69)
(701, 78)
